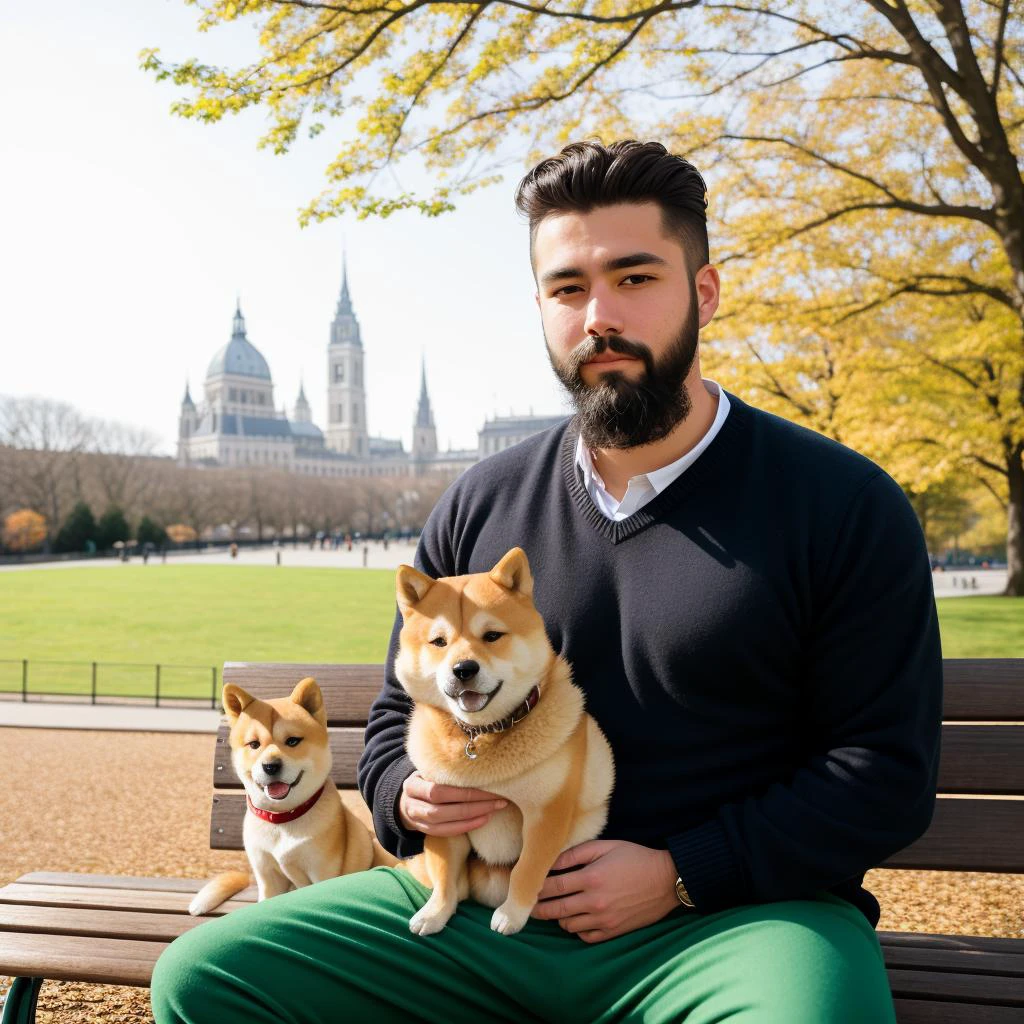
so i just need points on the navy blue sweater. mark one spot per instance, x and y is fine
(759, 644)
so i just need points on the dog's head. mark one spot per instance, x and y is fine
(471, 645)
(279, 747)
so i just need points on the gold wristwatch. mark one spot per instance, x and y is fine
(684, 896)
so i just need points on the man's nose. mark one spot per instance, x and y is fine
(603, 314)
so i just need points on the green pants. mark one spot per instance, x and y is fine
(341, 951)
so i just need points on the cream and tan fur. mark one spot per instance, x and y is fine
(554, 766)
(328, 840)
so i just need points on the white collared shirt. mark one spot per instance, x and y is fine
(641, 489)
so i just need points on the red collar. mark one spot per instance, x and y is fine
(280, 817)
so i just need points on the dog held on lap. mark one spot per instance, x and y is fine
(297, 830)
(496, 709)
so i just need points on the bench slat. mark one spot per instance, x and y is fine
(929, 1011)
(966, 988)
(190, 885)
(79, 958)
(975, 759)
(106, 924)
(968, 943)
(975, 690)
(914, 958)
(97, 898)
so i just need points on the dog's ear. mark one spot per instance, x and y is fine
(513, 572)
(235, 700)
(411, 587)
(307, 695)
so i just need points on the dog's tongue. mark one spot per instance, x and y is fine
(470, 700)
(278, 790)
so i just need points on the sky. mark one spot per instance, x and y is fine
(126, 234)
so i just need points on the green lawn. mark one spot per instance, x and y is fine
(184, 616)
(61, 620)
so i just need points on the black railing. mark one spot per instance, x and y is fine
(109, 682)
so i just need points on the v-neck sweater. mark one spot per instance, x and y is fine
(759, 643)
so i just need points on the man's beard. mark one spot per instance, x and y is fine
(623, 412)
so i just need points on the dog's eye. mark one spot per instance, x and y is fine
(439, 641)
(491, 635)
(293, 741)
(254, 744)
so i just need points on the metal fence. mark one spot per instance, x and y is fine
(109, 682)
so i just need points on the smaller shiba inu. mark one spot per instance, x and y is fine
(297, 831)
(496, 709)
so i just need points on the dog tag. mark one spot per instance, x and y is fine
(471, 750)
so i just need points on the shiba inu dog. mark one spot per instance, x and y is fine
(496, 709)
(297, 831)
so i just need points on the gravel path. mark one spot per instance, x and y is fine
(139, 804)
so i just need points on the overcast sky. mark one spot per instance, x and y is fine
(126, 234)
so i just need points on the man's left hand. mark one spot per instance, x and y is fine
(616, 888)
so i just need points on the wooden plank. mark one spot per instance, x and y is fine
(105, 924)
(348, 690)
(191, 885)
(929, 1011)
(926, 940)
(228, 813)
(975, 759)
(968, 835)
(96, 898)
(975, 689)
(983, 689)
(991, 989)
(919, 958)
(982, 759)
(346, 745)
(79, 958)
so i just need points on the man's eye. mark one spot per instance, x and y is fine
(293, 741)
(254, 744)
(566, 290)
(638, 278)
(491, 635)
(439, 641)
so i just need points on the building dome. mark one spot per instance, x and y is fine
(239, 356)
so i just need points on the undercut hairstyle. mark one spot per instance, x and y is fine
(587, 175)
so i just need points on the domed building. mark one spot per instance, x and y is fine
(236, 424)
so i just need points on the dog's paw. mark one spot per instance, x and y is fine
(509, 919)
(429, 921)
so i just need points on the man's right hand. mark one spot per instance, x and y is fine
(437, 810)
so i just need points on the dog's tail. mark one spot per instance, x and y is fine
(217, 890)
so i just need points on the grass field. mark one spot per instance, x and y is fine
(130, 618)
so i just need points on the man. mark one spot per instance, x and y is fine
(748, 608)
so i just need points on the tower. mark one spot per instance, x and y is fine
(187, 423)
(424, 434)
(303, 414)
(346, 394)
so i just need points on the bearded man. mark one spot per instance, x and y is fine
(748, 608)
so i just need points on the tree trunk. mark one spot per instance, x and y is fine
(1015, 529)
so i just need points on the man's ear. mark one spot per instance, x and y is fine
(307, 695)
(235, 700)
(411, 587)
(513, 572)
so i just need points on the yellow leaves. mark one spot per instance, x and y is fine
(24, 530)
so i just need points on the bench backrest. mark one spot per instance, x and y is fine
(979, 819)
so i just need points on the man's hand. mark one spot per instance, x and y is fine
(437, 810)
(617, 888)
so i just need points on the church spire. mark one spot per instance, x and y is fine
(345, 326)
(424, 414)
(345, 300)
(187, 400)
(238, 324)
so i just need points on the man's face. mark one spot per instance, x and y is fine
(621, 317)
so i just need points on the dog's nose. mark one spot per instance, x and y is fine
(271, 767)
(464, 670)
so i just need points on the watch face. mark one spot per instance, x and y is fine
(684, 896)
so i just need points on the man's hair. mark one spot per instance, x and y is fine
(587, 175)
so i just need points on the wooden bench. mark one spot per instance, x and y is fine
(97, 928)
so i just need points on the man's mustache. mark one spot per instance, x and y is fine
(591, 347)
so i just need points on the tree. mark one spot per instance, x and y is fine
(24, 530)
(78, 529)
(150, 532)
(112, 527)
(873, 144)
